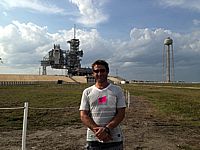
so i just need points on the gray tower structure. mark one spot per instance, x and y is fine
(74, 64)
(56, 58)
(62, 59)
(168, 42)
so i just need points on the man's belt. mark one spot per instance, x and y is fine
(103, 145)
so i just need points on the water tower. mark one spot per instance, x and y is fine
(168, 42)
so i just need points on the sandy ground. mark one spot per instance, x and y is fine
(141, 130)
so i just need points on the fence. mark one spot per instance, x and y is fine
(6, 83)
(126, 96)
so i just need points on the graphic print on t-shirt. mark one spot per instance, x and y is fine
(102, 100)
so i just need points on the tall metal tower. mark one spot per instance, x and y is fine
(74, 64)
(168, 42)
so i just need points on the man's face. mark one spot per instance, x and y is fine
(100, 73)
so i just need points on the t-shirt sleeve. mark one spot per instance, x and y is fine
(84, 102)
(120, 99)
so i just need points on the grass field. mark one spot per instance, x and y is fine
(39, 96)
(176, 102)
(171, 102)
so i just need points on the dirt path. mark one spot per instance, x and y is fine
(141, 130)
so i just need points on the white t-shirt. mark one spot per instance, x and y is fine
(102, 106)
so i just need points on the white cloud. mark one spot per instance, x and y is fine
(5, 14)
(89, 14)
(24, 45)
(20, 41)
(188, 4)
(18, 38)
(196, 22)
(146, 47)
(33, 5)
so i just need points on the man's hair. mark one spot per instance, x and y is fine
(100, 62)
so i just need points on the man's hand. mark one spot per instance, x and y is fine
(102, 135)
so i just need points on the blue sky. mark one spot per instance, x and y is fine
(128, 34)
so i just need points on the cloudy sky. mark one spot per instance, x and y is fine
(128, 34)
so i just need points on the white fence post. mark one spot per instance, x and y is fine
(128, 99)
(24, 126)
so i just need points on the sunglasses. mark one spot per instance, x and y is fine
(101, 70)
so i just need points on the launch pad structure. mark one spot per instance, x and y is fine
(66, 59)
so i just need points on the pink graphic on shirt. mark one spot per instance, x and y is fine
(102, 99)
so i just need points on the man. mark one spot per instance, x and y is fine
(102, 109)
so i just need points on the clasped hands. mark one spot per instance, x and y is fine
(102, 135)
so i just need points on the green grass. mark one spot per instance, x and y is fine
(171, 103)
(40, 96)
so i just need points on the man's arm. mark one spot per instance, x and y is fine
(93, 126)
(87, 120)
(117, 119)
(101, 134)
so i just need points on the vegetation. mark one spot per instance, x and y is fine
(176, 102)
(171, 102)
(40, 96)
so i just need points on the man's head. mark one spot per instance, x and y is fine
(100, 70)
(100, 62)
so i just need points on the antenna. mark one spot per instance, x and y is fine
(74, 31)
